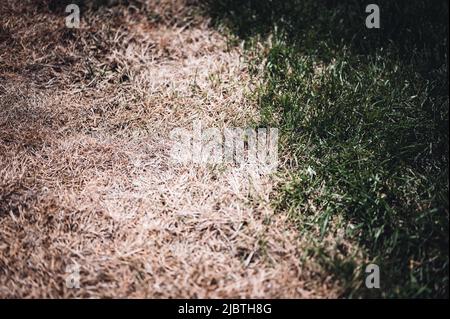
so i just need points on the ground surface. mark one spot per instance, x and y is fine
(85, 172)
(362, 115)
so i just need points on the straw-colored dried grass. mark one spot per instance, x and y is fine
(85, 173)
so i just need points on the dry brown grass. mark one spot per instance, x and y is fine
(85, 175)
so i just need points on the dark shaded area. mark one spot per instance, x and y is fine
(367, 110)
(418, 29)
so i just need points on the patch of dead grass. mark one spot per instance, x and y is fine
(85, 172)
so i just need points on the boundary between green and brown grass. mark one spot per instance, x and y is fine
(363, 116)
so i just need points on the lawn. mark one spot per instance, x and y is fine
(363, 120)
(93, 205)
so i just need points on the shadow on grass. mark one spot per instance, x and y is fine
(414, 28)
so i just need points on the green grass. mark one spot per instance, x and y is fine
(363, 116)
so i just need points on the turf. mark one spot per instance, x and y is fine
(86, 175)
(363, 115)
